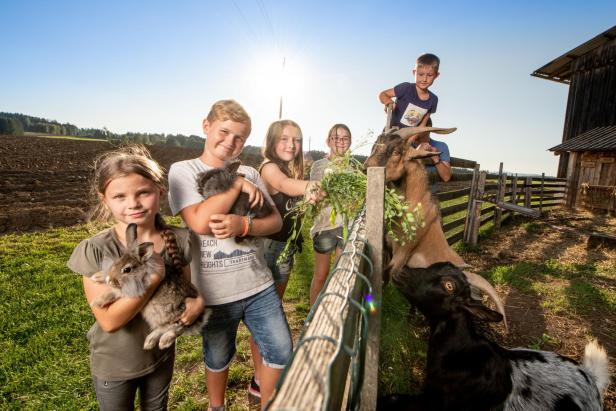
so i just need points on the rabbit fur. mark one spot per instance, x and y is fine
(219, 180)
(129, 276)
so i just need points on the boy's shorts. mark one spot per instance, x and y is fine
(281, 271)
(326, 241)
(263, 315)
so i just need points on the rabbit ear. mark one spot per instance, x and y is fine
(131, 235)
(144, 251)
(233, 166)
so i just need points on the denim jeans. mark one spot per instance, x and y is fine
(263, 315)
(327, 241)
(281, 271)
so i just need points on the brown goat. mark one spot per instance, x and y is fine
(404, 169)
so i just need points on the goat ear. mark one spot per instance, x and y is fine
(416, 154)
(482, 312)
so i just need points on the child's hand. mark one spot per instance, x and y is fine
(314, 194)
(428, 147)
(226, 225)
(194, 307)
(255, 196)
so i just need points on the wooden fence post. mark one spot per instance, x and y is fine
(481, 182)
(500, 195)
(541, 194)
(375, 203)
(528, 192)
(468, 223)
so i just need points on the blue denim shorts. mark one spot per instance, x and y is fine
(327, 241)
(263, 315)
(281, 271)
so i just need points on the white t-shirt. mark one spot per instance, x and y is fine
(322, 221)
(223, 270)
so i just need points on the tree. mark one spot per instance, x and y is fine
(11, 126)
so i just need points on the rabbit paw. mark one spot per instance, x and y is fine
(99, 277)
(151, 341)
(167, 340)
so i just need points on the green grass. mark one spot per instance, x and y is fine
(581, 289)
(44, 319)
(68, 137)
(403, 345)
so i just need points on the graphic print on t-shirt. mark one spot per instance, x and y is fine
(222, 256)
(412, 115)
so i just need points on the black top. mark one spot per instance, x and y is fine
(285, 203)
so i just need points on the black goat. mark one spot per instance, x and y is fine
(465, 371)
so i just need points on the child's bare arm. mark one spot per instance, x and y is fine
(231, 225)
(279, 181)
(386, 96)
(267, 225)
(117, 314)
(197, 216)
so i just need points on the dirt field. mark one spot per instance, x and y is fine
(561, 237)
(44, 181)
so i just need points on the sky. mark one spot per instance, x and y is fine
(158, 66)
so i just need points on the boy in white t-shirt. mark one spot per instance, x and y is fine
(233, 278)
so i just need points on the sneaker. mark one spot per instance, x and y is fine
(253, 389)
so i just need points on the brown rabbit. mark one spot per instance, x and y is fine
(129, 276)
(219, 180)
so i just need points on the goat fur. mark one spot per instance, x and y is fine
(404, 169)
(466, 371)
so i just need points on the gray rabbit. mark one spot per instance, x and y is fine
(219, 180)
(129, 276)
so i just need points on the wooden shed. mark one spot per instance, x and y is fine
(591, 172)
(588, 148)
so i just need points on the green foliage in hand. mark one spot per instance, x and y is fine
(344, 183)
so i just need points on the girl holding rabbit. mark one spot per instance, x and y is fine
(128, 185)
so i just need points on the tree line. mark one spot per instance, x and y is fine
(17, 124)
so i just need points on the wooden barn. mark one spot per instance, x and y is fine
(588, 149)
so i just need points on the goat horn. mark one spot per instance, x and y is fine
(411, 131)
(483, 284)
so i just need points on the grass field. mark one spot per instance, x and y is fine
(44, 319)
(64, 137)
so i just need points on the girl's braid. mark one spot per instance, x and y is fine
(171, 244)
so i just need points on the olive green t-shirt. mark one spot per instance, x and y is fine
(120, 355)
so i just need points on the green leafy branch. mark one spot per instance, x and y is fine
(344, 183)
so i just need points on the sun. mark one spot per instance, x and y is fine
(273, 76)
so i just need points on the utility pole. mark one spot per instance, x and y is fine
(282, 79)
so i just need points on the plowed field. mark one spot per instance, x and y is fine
(44, 181)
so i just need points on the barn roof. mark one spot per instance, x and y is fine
(596, 139)
(560, 68)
